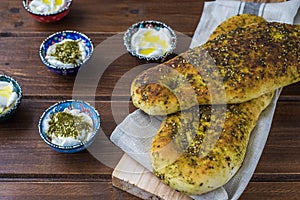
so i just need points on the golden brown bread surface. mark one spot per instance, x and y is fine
(236, 22)
(200, 149)
(234, 67)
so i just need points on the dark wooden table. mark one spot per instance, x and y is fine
(29, 169)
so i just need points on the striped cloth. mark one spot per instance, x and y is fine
(252, 8)
(216, 12)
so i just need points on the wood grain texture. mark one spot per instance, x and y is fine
(105, 16)
(139, 181)
(60, 190)
(271, 191)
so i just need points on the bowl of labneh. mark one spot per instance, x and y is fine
(10, 96)
(47, 11)
(66, 51)
(150, 40)
(69, 126)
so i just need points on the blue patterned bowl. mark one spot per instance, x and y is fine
(17, 88)
(58, 37)
(71, 104)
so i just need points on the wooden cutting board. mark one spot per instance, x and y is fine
(133, 178)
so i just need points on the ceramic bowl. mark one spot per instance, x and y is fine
(16, 88)
(166, 31)
(48, 18)
(59, 107)
(58, 37)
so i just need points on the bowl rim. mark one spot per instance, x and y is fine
(65, 8)
(18, 100)
(127, 36)
(44, 60)
(73, 147)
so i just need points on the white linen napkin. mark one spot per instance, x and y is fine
(134, 135)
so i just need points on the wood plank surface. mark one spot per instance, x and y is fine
(60, 190)
(115, 17)
(93, 191)
(272, 191)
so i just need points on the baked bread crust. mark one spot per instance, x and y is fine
(234, 67)
(198, 150)
(235, 22)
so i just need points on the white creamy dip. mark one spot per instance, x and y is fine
(7, 95)
(53, 60)
(151, 42)
(46, 6)
(82, 137)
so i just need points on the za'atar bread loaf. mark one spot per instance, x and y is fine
(199, 149)
(234, 67)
